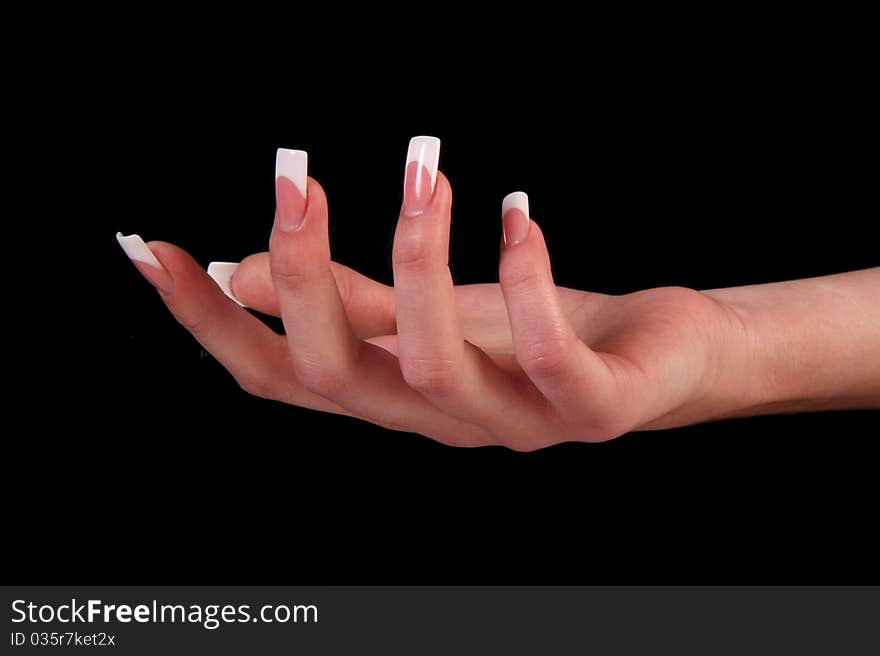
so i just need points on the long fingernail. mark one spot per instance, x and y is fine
(420, 178)
(291, 178)
(142, 257)
(515, 217)
(222, 272)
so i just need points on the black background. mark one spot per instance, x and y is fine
(646, 165)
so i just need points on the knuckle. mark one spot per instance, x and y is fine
(522, 446)
(198, 325)
(323, 382)
(412, 253)
(520, 278)
(289, 277)
(599, 421)
(545, 358)
(601, 428)
(430, 376)
(258, 387)
(517, 443)
(321, 376)
(527, 440)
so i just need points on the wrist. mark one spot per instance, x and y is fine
(733, 365)
(752, 374)
(802, 345)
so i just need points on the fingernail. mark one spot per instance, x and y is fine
(142, 257)
(515, 217)
(420, 178)
(222, 272)
(291, 176)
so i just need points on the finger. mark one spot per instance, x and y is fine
(434, 357)
(245, 346)
(328, 358)
(574, 378)
(369, 305)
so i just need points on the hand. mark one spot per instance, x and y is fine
(523, 363)
(669, 330)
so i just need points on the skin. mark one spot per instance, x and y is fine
(522, 363)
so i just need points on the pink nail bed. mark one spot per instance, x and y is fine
(291, 193)
(420, 178)
(515, 218)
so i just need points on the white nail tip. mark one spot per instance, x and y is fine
(293, 165)
(426, 151)
(136, 249)
(518, 200)
(222, 272)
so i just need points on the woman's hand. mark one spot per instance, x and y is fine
(523, 363)
(657, 321)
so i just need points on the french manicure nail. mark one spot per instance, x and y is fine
(146, 262)
(222, 272)
(515, 220)
(420, 178)
(291, 179)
